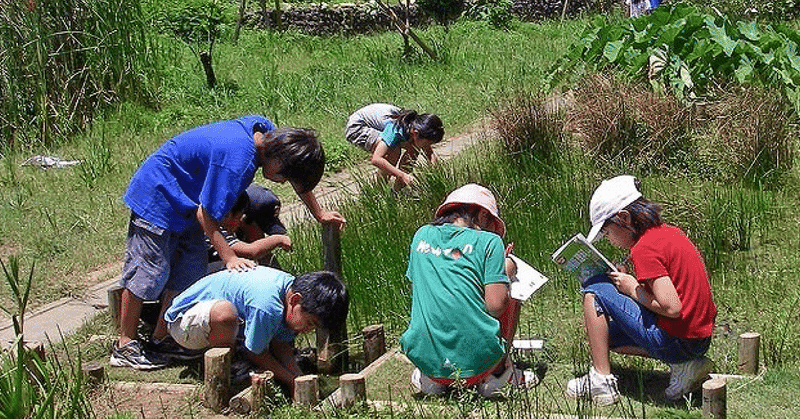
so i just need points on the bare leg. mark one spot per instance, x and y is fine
(130, 311)
(597, 334)
(160, 332)
(224, 322)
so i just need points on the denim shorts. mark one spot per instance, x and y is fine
(158, 259)
(631, 324)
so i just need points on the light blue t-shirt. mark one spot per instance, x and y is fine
(257, 294)
(392, 135)
(208, 165)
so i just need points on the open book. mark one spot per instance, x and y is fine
(580, 258)
(527, 280)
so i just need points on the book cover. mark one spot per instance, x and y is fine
(581, 259)
(527, 281)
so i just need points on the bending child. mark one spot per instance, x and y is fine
(385, 131)
(666, 311)
(180, 193)
(462, 316)
(272, 307)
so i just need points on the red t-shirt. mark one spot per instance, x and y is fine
(665, 250)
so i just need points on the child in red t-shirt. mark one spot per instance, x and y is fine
(666, 311)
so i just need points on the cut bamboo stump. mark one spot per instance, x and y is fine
(748, 352)
(251, 398)
(332, 354)
(374, 343)
(217, 378)
(306, 390)
(353, 390)
(114, 302)
(93, 372)
(714, 399)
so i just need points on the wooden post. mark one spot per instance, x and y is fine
(714, 399)
(374, 343)
(306, 390)
(217, 378)
(332, 356)
(35, 347)
(251, 398)
(239, 21)
(748, 352)
(93, 372)
(114, 302)
(353, 390)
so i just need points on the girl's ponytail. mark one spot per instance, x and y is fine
(404, 119)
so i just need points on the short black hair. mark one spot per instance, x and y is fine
(644, 216)
(325, 296)
(469, 213)
(300, 154)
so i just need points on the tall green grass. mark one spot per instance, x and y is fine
(62, 62)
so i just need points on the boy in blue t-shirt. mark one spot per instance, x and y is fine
(181, 193)
(272, 307)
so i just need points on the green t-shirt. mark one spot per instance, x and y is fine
(451, 334)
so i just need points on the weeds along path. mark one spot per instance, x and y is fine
(65, 316)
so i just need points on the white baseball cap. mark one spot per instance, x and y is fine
(611, 197)
(474, 194)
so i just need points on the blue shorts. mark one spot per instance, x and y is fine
(158, 259)
(631, 324)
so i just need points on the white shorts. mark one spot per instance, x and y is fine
(191, 328)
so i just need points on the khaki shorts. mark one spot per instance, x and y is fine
(362, 136)
(191, 328)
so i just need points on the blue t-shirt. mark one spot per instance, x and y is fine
(257, 294)
(208, 165)
(392, 135)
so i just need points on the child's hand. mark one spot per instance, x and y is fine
(332, 217)
(409, 179)
(284, 242)
(625, 283)
(239, 264)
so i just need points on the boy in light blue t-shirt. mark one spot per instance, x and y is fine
(272, 306)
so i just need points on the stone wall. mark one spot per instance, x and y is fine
(351, 19)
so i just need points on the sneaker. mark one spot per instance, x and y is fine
(601, 388)
(422, 384)
(170, 349)
(687, 377)
(519, 378)
(133, 355)
(241, 370)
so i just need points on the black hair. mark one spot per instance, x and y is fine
(644, 216)
(300, 154)
(241, 204)
(325, 296)
(428, 125)
(469, 213)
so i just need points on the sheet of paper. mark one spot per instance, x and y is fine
(528, 280)
(528, 344)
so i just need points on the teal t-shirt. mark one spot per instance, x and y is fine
(392, 135)
(450, 333)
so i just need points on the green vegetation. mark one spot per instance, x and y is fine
(724, 168)
(689, 52)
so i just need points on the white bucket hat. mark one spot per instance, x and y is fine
(611, 197)
(474, 194)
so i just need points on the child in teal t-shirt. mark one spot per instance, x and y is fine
(462, 316)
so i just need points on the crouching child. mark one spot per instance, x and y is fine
(263, 307)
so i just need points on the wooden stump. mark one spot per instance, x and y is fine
(251, 398)
(114, 303)
(374, 343)
(217, 378)
(332, 355)
(714, 399)
(748, 352)
(306, 390)
(93, 372)
(352, 390)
